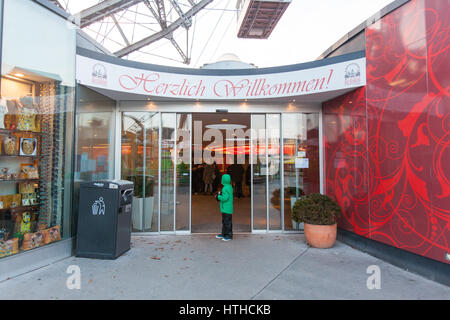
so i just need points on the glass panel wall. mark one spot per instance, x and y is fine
(95, 147)
(259, 164)
(140, 159)
(183, 160)
(274, 170)
(36, 127)
(151, 187)
(301, 161)
(168, 126)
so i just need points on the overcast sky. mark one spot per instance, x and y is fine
(306, 30)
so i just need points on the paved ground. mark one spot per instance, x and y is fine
(265, 266)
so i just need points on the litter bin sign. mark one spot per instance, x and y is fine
(104, 219)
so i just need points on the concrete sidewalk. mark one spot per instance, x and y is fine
(253, 266)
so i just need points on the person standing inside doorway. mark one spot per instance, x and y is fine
(226, 208)
(208, 178)
(216, 178)
(236, 173)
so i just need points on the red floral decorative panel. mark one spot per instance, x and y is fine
(346, 155)
(387, 145)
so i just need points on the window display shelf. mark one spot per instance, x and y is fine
(9, 131)
(19, 180)
(22, 208)
(19, 156)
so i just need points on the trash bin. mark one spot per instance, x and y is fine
(104, 219)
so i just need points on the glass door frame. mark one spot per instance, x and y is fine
(118, 166)
(175, 154)
(266, 155)
(277, 110)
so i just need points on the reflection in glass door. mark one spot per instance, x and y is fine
(301, 161)
(156, 156)
(258, 176)
(175, 200)
(167, 195)
(266, 172)
(140, 145)
(183, 172)
(274, 170)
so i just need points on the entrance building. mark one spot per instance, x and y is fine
(377, 143)
(171, 157)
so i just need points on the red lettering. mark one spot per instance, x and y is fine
(311, 82)
(130, 83)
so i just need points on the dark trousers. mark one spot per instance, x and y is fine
(227, 225)
(238, 189)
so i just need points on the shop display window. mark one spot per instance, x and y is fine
(30, 158)
(36, 128)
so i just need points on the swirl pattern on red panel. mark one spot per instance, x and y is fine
(387, 146)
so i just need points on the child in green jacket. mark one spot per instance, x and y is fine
(226, 208)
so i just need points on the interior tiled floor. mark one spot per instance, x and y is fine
(206, 216)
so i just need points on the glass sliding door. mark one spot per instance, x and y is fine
(167, 195)
(266, 172)
(183, 172)
(301, 161)
(274, 170)
(156, 156)
(259, 169)
(140, 159)
(175, 169)
(151, 165)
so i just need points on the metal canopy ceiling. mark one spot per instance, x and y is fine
(258, 18)
(117, 21)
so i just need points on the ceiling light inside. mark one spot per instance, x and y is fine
(223, 126)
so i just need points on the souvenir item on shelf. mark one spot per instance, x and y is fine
(29, 199)
(10, 117)
(25, 199)
(26, 116)
(2, 202)
(25, 222)
(33, 199)
(4, 173)
(38, 123)
(9, 247)
(28, 171)
(28, 146)
(26, 101)
(9, 145)
(7, 200)
(51, 234)
(3, 234)
(3, 112)
(15, 200)
(32, 240)
(14, 176)
(26, 187)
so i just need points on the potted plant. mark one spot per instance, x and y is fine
(319, 213)
(141, 202)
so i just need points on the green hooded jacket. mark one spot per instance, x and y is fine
(226, 198)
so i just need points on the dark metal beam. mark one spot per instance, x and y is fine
(163, 33)
(120, 30)
(103, 9)
(187, 20)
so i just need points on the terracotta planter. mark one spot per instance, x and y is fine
(320, 236)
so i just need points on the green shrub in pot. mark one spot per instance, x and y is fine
(318, 213)
(317, 209)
